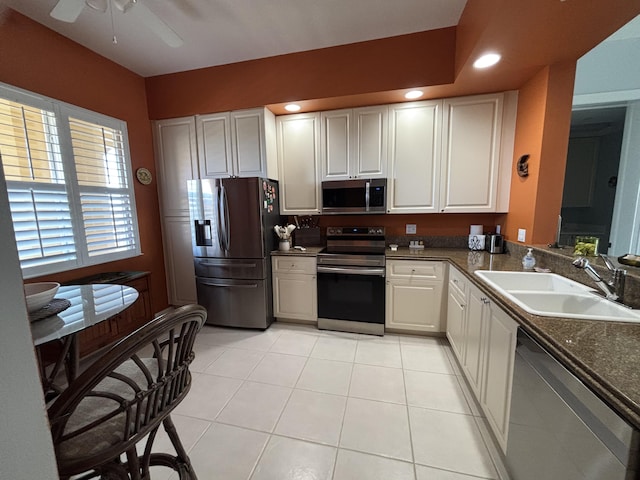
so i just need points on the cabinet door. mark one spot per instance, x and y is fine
(214, 145)
(456, 324)
(471, 135)
(248, 139)
(370, 156)
(336, 149)
(414, 305)
(500, 355)
(414, 157)
(176, 160)
(295, 296)
(181, 284)
(475, 346)
(298, 164)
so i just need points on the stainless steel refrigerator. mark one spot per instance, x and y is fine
(232, 222)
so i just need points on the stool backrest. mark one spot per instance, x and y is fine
(126, 392)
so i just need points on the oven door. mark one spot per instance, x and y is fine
(351, 293)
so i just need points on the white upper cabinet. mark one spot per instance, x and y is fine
(354, 143)
(414, 157)
(239, 143)
(298, 163)
(176, 161)
(474, 152)
(214, 145)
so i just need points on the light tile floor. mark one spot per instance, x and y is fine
(297, 403)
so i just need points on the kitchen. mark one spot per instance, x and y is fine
(543, 134)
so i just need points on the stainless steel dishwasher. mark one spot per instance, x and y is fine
(559, 429)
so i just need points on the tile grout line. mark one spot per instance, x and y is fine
(406, 397)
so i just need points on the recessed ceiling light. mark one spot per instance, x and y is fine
(487, 60)
(292, 107)
(413, 94)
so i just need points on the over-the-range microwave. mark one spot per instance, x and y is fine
(354, 196)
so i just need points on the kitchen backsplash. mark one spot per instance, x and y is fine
(429, 241)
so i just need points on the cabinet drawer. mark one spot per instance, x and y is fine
(422, 270)
(458, 282)
(291, 264)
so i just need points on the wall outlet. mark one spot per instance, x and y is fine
(410, 229)
(522, 235)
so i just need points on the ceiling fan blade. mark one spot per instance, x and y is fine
(67, 10)
(156, 25)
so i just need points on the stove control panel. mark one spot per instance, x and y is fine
(354, 231)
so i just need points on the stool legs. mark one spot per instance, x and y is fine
(180, 463)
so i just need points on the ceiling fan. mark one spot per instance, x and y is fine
(69, 11)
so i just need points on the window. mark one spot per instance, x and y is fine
(68, 176)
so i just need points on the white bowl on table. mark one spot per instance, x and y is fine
(39, 294)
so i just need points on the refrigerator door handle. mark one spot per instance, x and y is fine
(225, 210)
(219, 214)
(224, 284)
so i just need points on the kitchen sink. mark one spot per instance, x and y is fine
(552, 295)
(531, 281)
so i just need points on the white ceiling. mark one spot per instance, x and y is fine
(218, 32)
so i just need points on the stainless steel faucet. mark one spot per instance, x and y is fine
(614, 288)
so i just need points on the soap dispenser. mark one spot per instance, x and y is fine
(528, 261)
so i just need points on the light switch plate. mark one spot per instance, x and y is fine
(522, 235)
(410, 229)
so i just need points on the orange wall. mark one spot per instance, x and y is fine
(37, 59)
(542, 131)
(424, 58)
(528, 141)
(555, 143)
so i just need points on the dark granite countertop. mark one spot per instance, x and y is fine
(604, 355)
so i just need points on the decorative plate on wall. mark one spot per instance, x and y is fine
(144, 176)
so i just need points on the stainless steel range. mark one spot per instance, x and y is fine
(351, 285)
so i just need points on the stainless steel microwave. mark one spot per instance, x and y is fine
(354, 196)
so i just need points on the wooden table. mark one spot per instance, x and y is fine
(90, 304)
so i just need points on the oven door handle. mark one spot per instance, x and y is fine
(379, 272)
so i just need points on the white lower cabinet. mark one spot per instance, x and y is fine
(294, 288)
(500, 356)
(483, 338)
(476, 322)
(414, 300)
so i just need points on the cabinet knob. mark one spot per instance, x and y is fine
(455, 280)
(485, 300)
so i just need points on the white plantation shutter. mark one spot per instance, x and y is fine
(103, 184)
(68, 177)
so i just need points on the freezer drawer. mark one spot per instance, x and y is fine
(249, 268)
(236, 303)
